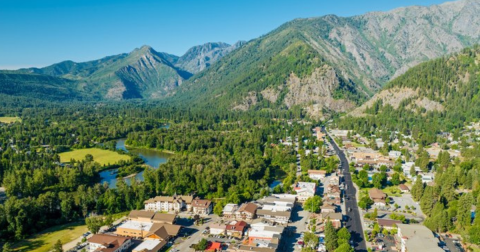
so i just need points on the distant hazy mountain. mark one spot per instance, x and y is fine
(142, 73)
(333, 63)
(200, 57)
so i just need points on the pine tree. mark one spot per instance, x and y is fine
(417, 189)
(330, 237)
(427, 201)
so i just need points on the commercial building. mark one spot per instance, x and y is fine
(413, 238)
(169, 203)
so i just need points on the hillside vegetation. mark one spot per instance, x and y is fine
(451, 82)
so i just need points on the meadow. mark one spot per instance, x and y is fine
(4, 119)
(103, 157)
(44, 241)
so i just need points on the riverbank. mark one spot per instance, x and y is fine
(152, 158)
(148, 148)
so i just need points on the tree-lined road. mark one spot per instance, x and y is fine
(354, 223)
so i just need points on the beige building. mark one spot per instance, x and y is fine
(169, 203)
(202, 207)
(108, 243)
(247, 211)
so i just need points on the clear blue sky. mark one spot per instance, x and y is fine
(42, 32)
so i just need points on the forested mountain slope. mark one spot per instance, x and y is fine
(40, 87)
(435, 96)
(338, 61)
(142, 73)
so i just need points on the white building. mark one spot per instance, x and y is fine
(417, 238)
(317, 174)
(276, 203)
(229, 210)
(217, 229)
(394, 154)
(263, 231)
(406, 169)
(305, 190)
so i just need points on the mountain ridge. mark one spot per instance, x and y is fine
(365, 51)
(361, 53)
(143, 73)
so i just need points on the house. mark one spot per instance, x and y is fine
(328, 208)
(247, 211)
(218, 229)
(108, 243)
(378, 197)
(150, 245)
(426, 177)
(416, 238)
(229, 211)
(214, 246)
(332, 194)
(334, 218)
(236, 229)
(305, 190)
(281, 217)
(388, 224)
(404, 188)
(202, 207)
(394, 154)
(169, 203)
(317, 174)
(406, 167)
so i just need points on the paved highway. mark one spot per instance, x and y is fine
(354, 223)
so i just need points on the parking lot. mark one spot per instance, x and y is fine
(406, 200)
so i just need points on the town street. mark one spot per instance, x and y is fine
(354, 223)
(192, 232)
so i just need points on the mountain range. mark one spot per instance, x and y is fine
(321, 64)
(142, 73)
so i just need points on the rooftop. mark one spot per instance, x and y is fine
(150, 245)
(230, 208)
(141, 214)
(136, 225)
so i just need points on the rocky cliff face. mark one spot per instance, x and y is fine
(365, 52)
(380, 46)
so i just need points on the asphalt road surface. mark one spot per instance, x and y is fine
(353, 223)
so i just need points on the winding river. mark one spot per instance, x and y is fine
(152, 158)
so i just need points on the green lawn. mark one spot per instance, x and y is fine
(45, 240)
(5, 119)
(357, 145)
(389, 190)
(103, 157)
(392, 191)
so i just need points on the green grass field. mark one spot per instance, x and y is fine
(5, 119)
(103, 157)
(45, 240)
